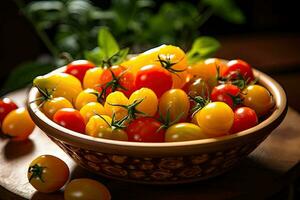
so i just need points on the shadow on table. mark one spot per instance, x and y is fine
(14, 150)
(249, 180)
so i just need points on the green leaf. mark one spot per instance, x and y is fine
(227, 9)
(96, 56)
(119, 57)
(107, 43)
(25, 73)
(203, 47)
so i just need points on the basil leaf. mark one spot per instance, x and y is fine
(96, 56)
(203, 47)
(119, 56)
(107, 43)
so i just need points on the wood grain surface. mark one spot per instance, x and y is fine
(273, 165)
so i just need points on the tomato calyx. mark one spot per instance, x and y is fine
(200, 103)
(36, 171)
(115, 124)
(168, 65)
(236, 100)
(114, 84)
(46, 95)
(166, 121)
(131, 109)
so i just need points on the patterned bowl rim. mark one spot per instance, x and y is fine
(275, 89)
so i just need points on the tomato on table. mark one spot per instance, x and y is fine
(78, 68)
(258, 98)
(18, 124)
(47, 173)
(244, 118)
(215, 119)
(86, 189)
(227, 93)
(155, 78)
(145, 129)
(6, 106)
(70, 119)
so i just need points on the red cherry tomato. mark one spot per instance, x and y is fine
(154, 77)
(6, 106)
(227, 93)
(78, 68)
(117, 78)
(244, 118)
(145, 129)
(70, 119)
(241, 67)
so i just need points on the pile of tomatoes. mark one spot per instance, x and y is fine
(155, 97)
(15, 122)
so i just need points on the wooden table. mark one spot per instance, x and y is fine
(272, 166)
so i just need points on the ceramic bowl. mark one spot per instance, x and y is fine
(162, 163)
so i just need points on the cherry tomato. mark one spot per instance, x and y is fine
(92, 77)
(91, 109)
(96, 124)
(197, 87)
(6, 106)
(184, 132)
(52, 105)
(155, 78)
(116, 98)
(145, 129)
(227, 93)
(258, 98)
(47, 173)
(117, 78)
(18, 124)
(84, 97)
(86, 189)
(112, 134)
(207, 70)
(241, 67)
(78, 68)
(149, 101)
(70, 119)
(61, 85)
(244, 118)
(215, 119)
(174, 103)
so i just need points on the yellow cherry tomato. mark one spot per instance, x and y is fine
(169, 53)
(112, 134)
(176, 103)
(91, 109)
(149, 103)
(86, 189)
(207, 69)
(116, 98)
(184, 132)
(92, 77)
(258, 98)
(215, 119)
(50, 106)
(18, 124)
(47, 173)
(61, 85)
(84, 97)
(96, 123)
